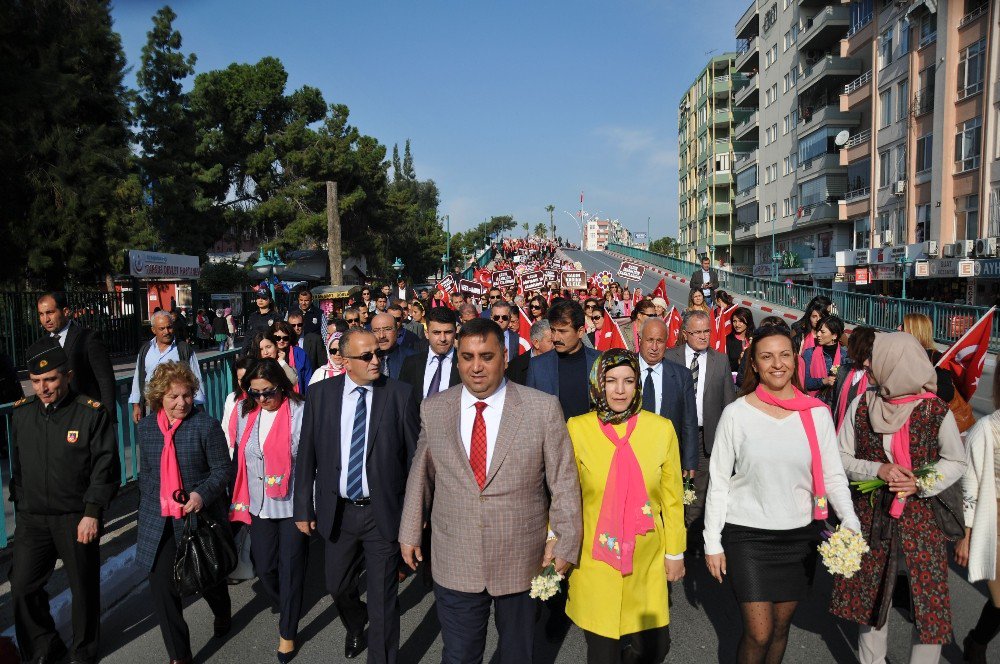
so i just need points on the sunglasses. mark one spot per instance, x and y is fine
(280, 337)
(494, 297)
(351, 321)
(500, 318)
(536, 307)
(262, 394)
(334, 351)
(296, 324)
(596, 318)
(589, 306)
(365, 357)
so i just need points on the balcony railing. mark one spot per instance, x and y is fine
(859, 138)
(865, 20)
(859, 82)
(974, 14)
(858, 194)
(923, 101)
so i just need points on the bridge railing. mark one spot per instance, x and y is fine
(950, 321)
(217, 383)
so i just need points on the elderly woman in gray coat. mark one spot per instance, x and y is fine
(180, 450)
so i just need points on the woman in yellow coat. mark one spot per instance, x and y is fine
(633, 518)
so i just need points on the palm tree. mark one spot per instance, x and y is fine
(525, 226)
(552, 224)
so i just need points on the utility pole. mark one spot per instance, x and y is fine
(333, 235)
(552, 224)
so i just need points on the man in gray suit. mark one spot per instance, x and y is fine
(495, 462)
(713, 389)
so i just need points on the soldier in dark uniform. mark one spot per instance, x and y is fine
(65, 470)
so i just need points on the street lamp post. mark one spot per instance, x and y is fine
(444, 265)
(579, 224)
(447, 250)
(774, 254)
(269, 264)
(905, 265)
(399, 266)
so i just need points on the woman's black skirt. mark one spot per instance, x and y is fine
(770, 565)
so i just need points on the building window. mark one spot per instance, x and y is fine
(923, 222)
(883, 168)
(882, 223)
(925, 95)
(899, 235)
(928, 29)
(967, 144)
(900, 160)
(824, 245)
(971, 64)
(903, 92)
(787, 42)
(784, 83)
(885, 49)
(784, 125)
(862, 233)
(967, 217)
(794, 117)
(925, 145)
(885, 108)
(786, 208)
(904, 37)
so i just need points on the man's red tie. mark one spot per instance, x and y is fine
(477, 450)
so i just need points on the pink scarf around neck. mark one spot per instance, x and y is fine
(170, 472)
(817, 365)
(234, 417)
(277, 450)
(842, 400)
(804, 405)
(901, 447)
(625, 509)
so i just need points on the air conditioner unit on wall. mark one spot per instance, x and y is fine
(948, 251)
(887, 238)
(877, 241)
(964, 247)
(931, 248)
(986, 247)
(900, 187)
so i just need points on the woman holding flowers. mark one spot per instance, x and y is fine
(820, 363)
(267, 435)
(903, 438)
(773, 471)
(633, 518)
(978, 551)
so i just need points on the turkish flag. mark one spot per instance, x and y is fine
(722, 325)
(524, 332)
(609, 336)
(483, 276)
(674, 323)
(966, 357)
(661, 291)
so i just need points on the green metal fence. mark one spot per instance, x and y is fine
(217, 383)
(885, 313)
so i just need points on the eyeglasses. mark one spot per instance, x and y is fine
(334, 351)
(501, 318)
(296, 324)
(596, 319)
(589, 306)
(262, 394)
(494, 297)
(280, 337)
(351, 321)
(697, 333)
(383, 330)
(365, 357)
(536, 307)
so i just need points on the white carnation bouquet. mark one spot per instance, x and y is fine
(689, 494)
(842, 552)
(546, 585)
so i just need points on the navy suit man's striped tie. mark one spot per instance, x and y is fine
(356, 463)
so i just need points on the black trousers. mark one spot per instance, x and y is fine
(464, 618)
(356, 545)
(649, 646)
(167, 602)
(695, 511)
(280, 553)
(40, 540)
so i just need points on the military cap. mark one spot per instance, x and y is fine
(45, 355)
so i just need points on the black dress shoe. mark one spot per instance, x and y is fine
(354, 645)
(221, 627)
(286, 657)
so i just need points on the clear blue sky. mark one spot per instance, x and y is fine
(509, 106)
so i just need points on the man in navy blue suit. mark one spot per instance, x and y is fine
(359, 434)
(500, 312)
(667, 389)
(392, 354)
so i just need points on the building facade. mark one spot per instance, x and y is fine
(872, 128)
(707, 117)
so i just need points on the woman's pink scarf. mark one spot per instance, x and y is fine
(277, 449)
(804, 405)
(170, 472)
(901, 447)
(291, 363)
(234, 418)
(625, 509)
(817, 365)
(808, 341)
(842, 397)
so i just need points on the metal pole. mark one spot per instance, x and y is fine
(774, 266)
(447, 251)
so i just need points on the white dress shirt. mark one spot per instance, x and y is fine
(706, 277)
(657, 380)
(491, 415)
(61, 334)
(699, 393)
(431, 367)
(348, 407)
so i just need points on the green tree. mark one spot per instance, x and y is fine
(541, 230)
(64, 134)
(665, 245)
(552, 222)
(187, 220)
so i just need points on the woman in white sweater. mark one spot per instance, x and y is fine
(978, 551)
(774, 469)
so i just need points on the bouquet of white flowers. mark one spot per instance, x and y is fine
(689, 495)
(546, 585)
(842, 552)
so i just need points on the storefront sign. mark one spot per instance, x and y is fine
(471, 287)
(885, 273)
(921, 269)
(936, 269)
(574, 279)
(966, 268)
(532, 280)
(861, 257)
(988, 269)
(861, 276)
(631, 271)
(153, 265)
(763, 269)
(889, 254)
(503, 278)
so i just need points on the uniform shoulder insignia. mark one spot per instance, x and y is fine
(88, 402)
(23, 400)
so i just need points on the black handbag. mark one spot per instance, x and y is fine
(949, 511)
(206, 554)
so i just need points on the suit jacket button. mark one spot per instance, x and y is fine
(482, 499)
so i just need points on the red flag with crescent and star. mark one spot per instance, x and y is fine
(967, 356)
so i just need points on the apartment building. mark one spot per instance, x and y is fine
(707, 117)
(596, 234)
(868, 122)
